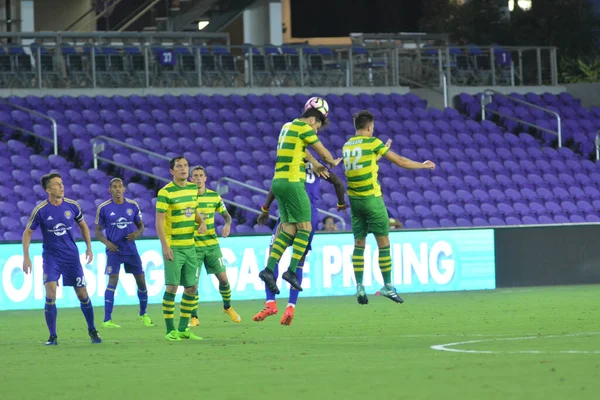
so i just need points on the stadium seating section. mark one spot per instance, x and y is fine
(487, 174)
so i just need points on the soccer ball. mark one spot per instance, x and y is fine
(319, 104)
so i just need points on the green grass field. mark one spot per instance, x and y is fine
(533, 343)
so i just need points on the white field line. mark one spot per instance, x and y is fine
(450, 346)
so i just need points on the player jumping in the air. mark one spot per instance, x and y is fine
(207, 245)
(314, 193)
(121, 218)
(368, 211)
(288, 188)
(56, 218)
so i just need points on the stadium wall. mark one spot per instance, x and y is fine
(589, 93)
(546, 255)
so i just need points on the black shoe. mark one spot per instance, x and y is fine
(52, 341)
(361, 295)
(266, 275)
(94, 336)
(292, 279)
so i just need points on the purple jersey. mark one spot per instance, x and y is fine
(312, 185)
(56, 223)
(118, 221)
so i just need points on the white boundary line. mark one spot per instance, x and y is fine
(449, 346)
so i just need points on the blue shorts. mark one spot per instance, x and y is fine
(132, 263)
(71, 271)
(314, 221)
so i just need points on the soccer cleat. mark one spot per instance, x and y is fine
(270, 309)
(194, 321)
(52, 341)
(266, 275)
(146, 320)
(292, 279)
(361, 295)
(94, 336)
(173, 336)
(390, 292)
(288, 316)
(110, 324)
(235, 317)
(187, 334)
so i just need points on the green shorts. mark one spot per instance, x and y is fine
(369, 215)
(292, 200)
(183, 269)
(212, 258)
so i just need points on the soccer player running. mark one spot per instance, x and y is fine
(208, 250)
(288, 188)
(176, 216)
(122, 219)
(314, 193)
(56, 217)
(369, 214)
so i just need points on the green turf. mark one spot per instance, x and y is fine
(335, 349)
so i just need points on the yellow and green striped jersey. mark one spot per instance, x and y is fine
(209, 203)
(179, 204)
(291, 148)
(360, 162)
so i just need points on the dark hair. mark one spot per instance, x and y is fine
(198, 167)
(113, 180)
(174, 160)
(363, 119)
(313, 112)
(328, 217)
(48, 177)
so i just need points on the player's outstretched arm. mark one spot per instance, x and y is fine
(264, 215)
(26, 240)
(326, 155)
(407, 162)
(159, 225)
(98, 234)
(319, 169)
(85, 232)
(339, 190)
(140, 229)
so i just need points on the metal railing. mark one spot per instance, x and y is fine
(487, 94)
(224, 188)
(597, 143)
(98, 147)
(54, 139)
(189, 59)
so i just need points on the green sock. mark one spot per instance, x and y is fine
(385, 264)
(299, 248)
(282, 241)
(168, 308)
(358, 263)
(195, 309)
(225, 291)
(187, 305)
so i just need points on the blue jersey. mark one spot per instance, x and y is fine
(312, 185)
(56, 223)
(118, 221)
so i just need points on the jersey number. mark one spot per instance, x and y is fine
(80, 281)
(310, 175)
(281, 139)
(351, 158)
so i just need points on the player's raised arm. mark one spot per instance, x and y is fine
(339, 190)
(407, 162)
(326, 155)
